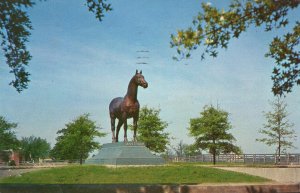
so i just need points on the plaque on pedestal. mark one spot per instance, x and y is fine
(129, 153)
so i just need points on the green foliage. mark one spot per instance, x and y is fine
(5, 155)
(210, 131)
(191, 150)
(284, 50)
(76, 140)
(172, 174)
(33, 148)
(8, 139)
(183, 150)
(277, 129)
(214, 28)
(12, 163)
(15, 27)
(151, 130)
(98, 7)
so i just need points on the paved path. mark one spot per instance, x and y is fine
(15, 172)
(284, 175)
(6, 171)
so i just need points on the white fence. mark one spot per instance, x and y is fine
(284, 159)
(271, 159)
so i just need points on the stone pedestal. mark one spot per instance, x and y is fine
(130, 153)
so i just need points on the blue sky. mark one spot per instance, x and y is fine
(80, 64)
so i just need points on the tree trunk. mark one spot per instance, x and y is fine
(80, 160)
(214, 158)
(81, 155)
(214, 152)
(279, 147)
(279, 152)
(81, 152)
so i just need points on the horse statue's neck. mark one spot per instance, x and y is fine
(132, 90)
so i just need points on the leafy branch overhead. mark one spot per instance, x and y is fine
(15, 27)
(284, 50)
(214, 28)
(98, 7)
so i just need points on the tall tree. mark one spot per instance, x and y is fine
(179, 149)
(151, 130)
(213, 28)
(33, 148)
(15, 27)
(210, 131)
(8, 139)
(278, 129)
(77, 139)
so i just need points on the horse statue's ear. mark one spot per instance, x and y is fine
(141, 72)
(136, 71)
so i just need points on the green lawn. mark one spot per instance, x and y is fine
(171, 174)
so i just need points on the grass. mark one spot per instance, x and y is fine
(171, 174)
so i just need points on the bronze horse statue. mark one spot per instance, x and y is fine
(126, 107)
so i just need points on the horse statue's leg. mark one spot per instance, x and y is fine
(120, 123)
(125, 130)
(135, 119)
(112, 122)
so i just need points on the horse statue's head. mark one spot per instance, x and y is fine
(140, 80)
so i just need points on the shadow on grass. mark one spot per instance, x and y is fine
(142, 188)
(90, 188)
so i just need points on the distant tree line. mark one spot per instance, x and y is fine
(211, 133)
(74, 142)
(30, 148)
